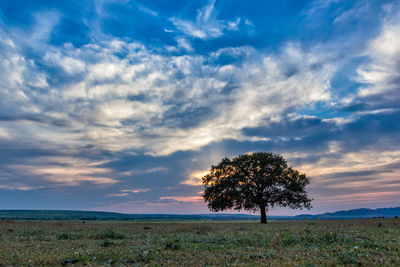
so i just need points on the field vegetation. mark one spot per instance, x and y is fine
(201, 243)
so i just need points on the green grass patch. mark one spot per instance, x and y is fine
(279, 243)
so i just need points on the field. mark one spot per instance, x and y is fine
(199, 243)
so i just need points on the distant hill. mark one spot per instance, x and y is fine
(353, 214)
(99, 215)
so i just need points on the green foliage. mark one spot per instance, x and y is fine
(253, 182)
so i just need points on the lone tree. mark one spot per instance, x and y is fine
(254, 182)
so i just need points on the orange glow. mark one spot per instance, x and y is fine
(195, 178)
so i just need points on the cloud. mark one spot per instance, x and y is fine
(195, 178)
(45, 22)
(71, 66)
(183, 199)
(207, 25)
(4, 134)
(64, 171)
(381, 74)
(185, 44)
(137, 108)
(19, 76)
(185, 102)
(118, 195)
(18, 187)
(147, 171)
(358, 198)
(137, 190)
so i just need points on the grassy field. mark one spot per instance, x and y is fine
(281, 243)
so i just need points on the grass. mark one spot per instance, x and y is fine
(281, 243)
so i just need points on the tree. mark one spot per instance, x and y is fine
(256, 181)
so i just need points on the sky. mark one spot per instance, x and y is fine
(120, 105)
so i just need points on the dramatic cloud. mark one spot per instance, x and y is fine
(131, 103)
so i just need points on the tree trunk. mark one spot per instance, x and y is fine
(263, 214)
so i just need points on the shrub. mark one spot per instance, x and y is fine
(107, 243)
(173, 245)
(63, 236)
(109, 234)
(70, 236)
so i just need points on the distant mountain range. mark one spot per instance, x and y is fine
(354, 214)
(98, 215)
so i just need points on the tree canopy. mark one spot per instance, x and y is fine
(256, 181)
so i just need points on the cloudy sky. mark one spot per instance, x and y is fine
(123, 105)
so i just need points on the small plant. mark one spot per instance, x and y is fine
(144, 256)
(347, 258)
(69, 236)
(107, 243)
(63, 236)
(109, 234)
(173, 245)
(270, 255)
(329, 237)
